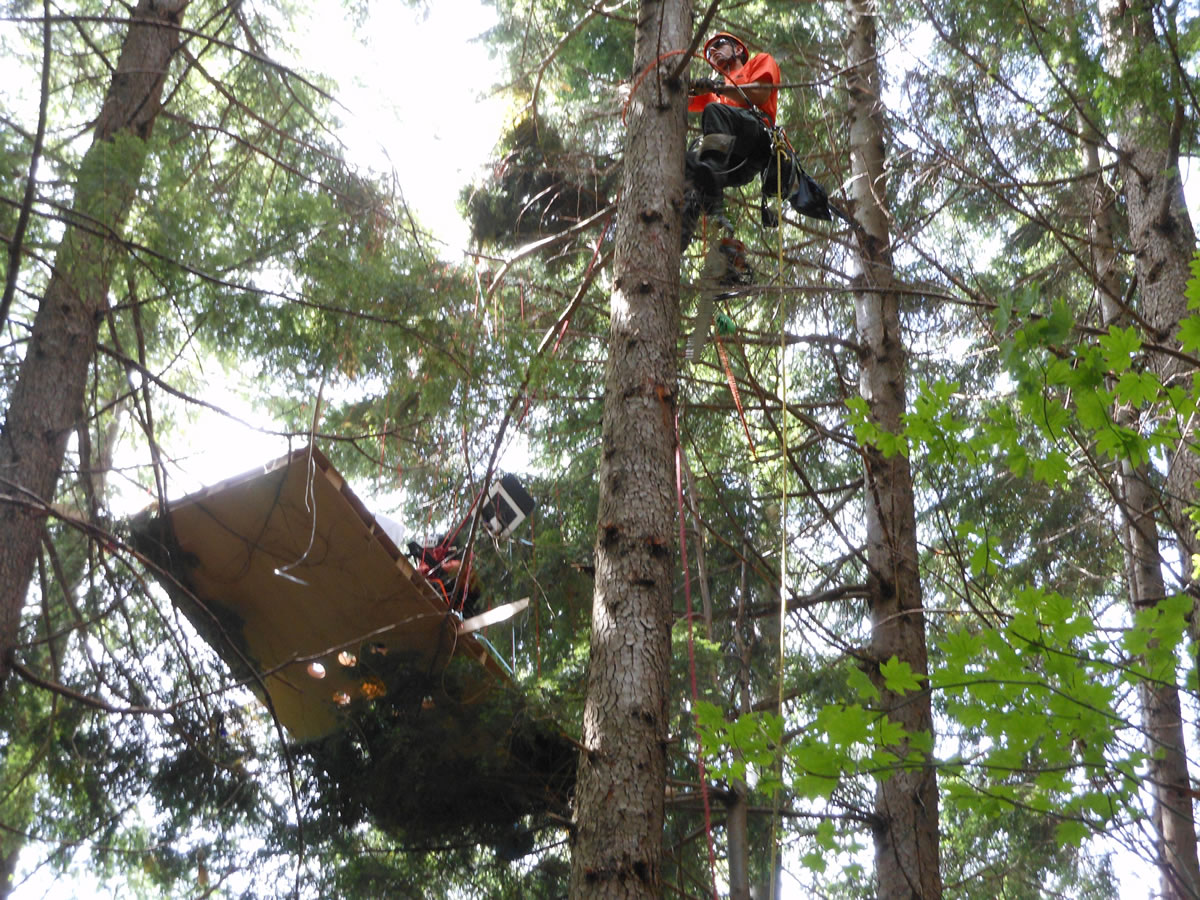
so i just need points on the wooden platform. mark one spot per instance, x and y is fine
(289, 578)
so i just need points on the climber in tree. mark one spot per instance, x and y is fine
(736, 115)
(738, 143)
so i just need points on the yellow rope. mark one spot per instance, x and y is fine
(776, 818)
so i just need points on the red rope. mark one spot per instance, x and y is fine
(561, 334)
(687, 593)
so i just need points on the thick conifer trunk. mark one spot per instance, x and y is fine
(617, 844)
(47, 399)
(906, 803)
(1163, 242)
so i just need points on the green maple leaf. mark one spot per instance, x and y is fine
(898, 676)
(1189, 332)
(1192, 291)
(1119, 346)
(1138, 388)
(1053, 468)
(1071, 833)
(961, 647)
(857, 679)
(845, 725)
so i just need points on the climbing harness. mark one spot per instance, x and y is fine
(806, 197)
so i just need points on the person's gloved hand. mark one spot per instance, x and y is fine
(698, 86)
(770, 218)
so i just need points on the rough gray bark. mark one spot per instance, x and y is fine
(617, 841)
(1163, 242)
(47, 399)
(906, 803)
(1161, 232)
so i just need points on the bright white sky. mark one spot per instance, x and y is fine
(387, 74)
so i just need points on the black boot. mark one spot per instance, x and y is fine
(695, 204)
(702, 195)
(692, 207)
(706, 169)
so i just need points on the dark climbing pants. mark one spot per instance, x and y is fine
(750, 155)
(751, 149)
(752, 152)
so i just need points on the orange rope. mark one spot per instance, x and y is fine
(737, 399)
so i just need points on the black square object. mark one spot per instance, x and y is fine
(507, 506)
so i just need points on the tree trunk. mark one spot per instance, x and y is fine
(617, 842)
(906, 802)
(1163, 241)
(737, 832)
(737, 822)
(8, 864)
(47, 400)
(1160, 230)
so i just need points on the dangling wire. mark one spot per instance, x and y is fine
(687, 593)
(310, 491)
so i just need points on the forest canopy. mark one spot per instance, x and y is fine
(910, 607)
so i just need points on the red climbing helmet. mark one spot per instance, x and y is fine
(722, 36)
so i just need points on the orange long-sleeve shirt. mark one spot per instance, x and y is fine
(762, 68)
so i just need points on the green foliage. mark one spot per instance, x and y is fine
(1193, 285)
(467, 770)
(537, 188)
(898, 676)
(868, 433)
(252, 241)
(752, 739)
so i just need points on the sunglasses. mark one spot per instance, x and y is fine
(725, 42)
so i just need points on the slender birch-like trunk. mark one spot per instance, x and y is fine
(906, 802)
